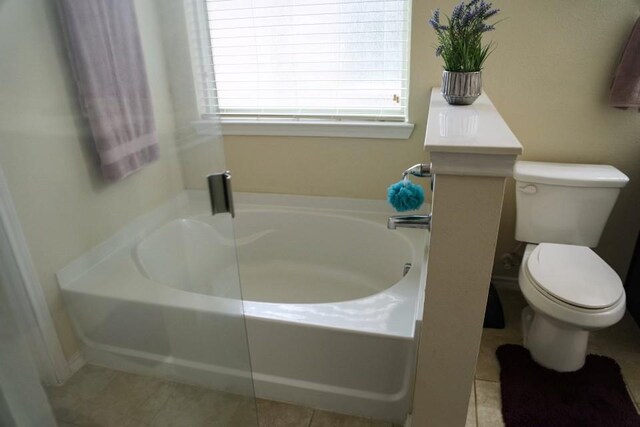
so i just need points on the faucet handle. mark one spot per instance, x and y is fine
(422, 170)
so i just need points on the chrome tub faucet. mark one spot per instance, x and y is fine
(409, 221)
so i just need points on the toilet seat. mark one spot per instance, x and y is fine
(574, 276)
(570, 292)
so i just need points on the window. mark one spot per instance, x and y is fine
(316, 59)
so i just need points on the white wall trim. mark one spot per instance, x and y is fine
(306, 127)
(76, 362)
(26, 292)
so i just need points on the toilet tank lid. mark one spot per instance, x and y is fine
(569, 174)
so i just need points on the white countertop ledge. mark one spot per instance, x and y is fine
(469, 139)
(478, 128)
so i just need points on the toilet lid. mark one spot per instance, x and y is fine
(574, 275)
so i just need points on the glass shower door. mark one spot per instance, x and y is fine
(23, 401)
(140, 279)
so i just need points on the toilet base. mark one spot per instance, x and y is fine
(554, 345)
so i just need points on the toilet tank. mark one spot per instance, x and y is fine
(564, 202)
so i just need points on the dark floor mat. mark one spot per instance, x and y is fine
(535, 396)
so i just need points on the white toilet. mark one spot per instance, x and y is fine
(561, 212)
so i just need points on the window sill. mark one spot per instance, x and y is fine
(292, 127)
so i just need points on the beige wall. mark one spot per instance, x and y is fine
(64, 205)
(548, 77)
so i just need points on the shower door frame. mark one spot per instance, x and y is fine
(27, 294)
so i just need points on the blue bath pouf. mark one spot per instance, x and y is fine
(405, 196)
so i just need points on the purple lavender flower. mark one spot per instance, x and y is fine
(457, 12)
(483, 8)
(468, 17)
(435, 20)
(475, 11)
(460, 41)
(490, 13)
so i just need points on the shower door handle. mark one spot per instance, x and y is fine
(220, 193)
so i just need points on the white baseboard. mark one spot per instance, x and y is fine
(76, 362)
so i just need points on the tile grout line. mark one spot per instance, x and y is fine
(475, 403)
(313, 413)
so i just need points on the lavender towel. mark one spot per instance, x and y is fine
(625, 90)
(108, 64)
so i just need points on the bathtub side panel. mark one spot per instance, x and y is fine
(175, 343)
(342, 371)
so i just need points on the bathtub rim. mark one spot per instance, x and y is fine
(200, 221)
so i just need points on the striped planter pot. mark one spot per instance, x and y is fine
(461, 88)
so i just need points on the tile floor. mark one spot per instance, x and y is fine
(621, 342)
(101, 397)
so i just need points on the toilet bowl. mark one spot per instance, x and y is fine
(570, 291)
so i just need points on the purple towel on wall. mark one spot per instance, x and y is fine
(108, 65)
(625, 90)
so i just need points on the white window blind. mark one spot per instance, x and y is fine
(332, 59)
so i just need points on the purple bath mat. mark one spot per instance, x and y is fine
(533, 396)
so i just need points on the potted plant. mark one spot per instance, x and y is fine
(460, 46)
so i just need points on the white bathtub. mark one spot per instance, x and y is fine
(330, 319)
